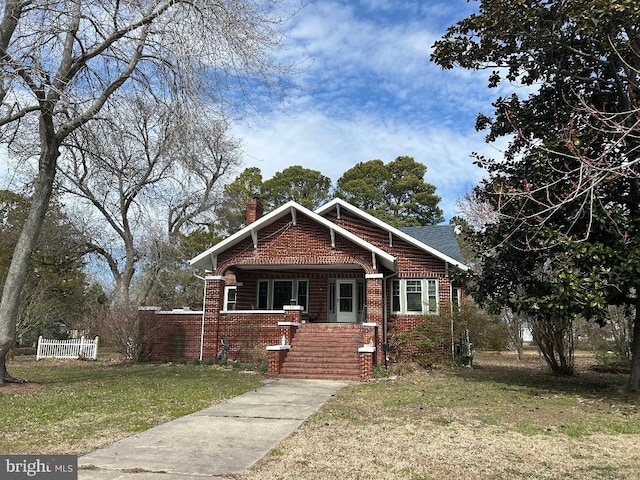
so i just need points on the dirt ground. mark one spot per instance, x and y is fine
(537, 428)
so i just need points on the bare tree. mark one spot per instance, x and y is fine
(515, 329)
(128, 333)
(62, 60)
(476, 212)
(139, 163)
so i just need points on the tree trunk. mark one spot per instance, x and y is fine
(17, 274)
(634, 378)
(555, 343)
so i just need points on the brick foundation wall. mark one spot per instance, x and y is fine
(249, 334)
(177, 334)
(440, 329)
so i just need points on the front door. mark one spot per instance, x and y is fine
(346, 301)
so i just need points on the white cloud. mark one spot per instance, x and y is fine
(370, 92)
(334, 145)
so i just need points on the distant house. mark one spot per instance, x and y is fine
(316, 293)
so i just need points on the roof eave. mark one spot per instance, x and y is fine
(204, 260)
(408, 238)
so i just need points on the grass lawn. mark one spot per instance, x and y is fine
(75, 407)
(503, 419)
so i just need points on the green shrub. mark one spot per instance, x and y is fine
(196, 361)
(398, 343)
(429, 343)
(209, 361)
(379, 371)
(242, 366)
(432, 342)
(182, 361)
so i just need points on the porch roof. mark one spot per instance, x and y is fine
(207, 259)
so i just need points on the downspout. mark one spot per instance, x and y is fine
(385, 320)
(453, 347)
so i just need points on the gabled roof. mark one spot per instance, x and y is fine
(438, 240)
(208, 258)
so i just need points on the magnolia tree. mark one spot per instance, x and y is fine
(63, 60)
(567, 192)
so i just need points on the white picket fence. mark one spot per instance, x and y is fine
(74, 348)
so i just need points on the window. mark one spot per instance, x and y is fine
(395, 296)
(332, 297)
(230, 298)
(361, 300)
(432, 296)
(263, 295)
(345, 301)
(282, 293)
(302, 293)
(275, 294)
(456, 296)
(414, 296)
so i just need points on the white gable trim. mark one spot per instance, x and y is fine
(290, 208)
(339, 204)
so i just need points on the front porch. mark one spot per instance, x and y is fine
(295, 258)
(341, 351)
(312, 322)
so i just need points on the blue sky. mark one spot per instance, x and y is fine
(371, 92)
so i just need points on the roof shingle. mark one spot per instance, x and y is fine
(441, 237)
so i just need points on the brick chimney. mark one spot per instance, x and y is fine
(254, 210)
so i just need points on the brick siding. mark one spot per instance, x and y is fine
(302, 248)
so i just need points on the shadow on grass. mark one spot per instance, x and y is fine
(536, 377)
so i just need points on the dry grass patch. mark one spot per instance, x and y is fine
(501, 420)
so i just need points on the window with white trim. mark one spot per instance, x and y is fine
(230, 297)
(414, 296)
(275, 294)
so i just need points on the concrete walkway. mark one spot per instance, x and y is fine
(218, 441)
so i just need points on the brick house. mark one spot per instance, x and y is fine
(316, 294)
